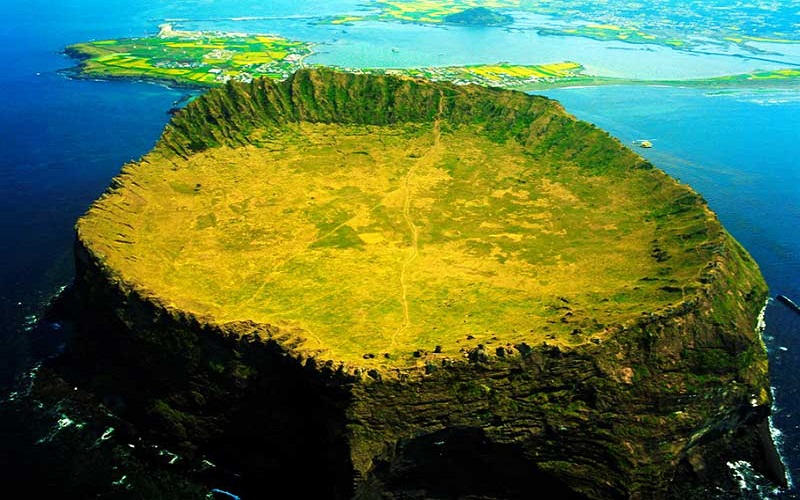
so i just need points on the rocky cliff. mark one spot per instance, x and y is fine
(640, 386)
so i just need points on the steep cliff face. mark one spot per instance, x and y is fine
(227, 116)
(614, 420)
(649, 404)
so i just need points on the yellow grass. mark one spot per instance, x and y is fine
(496, 72)
(248, 58)
(432, 11)
(347, 19)
(610, 27)
(195, 44)
(371, 240)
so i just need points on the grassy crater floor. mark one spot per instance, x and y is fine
(385, 245)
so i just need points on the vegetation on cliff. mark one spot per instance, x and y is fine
(375, 236)
(398, 271)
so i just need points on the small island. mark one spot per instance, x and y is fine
(478, 16)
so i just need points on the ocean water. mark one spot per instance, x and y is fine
(63, 140)
(371, 45)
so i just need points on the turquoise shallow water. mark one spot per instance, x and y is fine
(372, 45)
(63, 140)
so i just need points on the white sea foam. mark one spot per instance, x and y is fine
(107, 434)
(751, 484)
(775, 433)
(63, 422)
(25, 389)
(172, 456)
(226, 493)
(761, 322)
(761, 97)
(777, 439)
(121, 481)
(742, 473)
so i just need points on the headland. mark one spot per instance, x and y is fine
(402, 279)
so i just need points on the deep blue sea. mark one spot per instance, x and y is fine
(62, 140)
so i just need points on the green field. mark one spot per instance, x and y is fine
(787, 76)
(432, 11)
(191, 58)
(565, 74)
(211, 59)
(510, 76)
(207, 59)
(611, 32)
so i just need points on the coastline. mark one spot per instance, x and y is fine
(766, 80)
(77, 73)
(63, 99)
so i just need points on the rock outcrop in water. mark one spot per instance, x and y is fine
(652, 402)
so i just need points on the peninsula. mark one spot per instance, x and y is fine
(193, 58)
(209, 59)
(418, 289)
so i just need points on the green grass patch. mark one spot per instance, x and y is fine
(197, 58)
